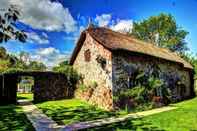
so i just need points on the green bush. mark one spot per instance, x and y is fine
(82, 87)
(12, 70)
(71, 74)
(141, 95)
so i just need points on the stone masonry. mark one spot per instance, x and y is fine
(103, 57)
(92, 71)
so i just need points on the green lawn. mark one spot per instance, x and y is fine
(13, 119)
(27, 96)
(184, 118)
(72, 110)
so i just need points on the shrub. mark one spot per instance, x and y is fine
(82, 87)
(148, 91)
(89, 89)
(70, 73)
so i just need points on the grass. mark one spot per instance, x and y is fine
(72, 110)
(13, 119)
(183, 118)
(27, 96)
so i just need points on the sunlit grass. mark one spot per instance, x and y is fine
(13, 119)
(26, 96)
(183, 118)
(73, 110)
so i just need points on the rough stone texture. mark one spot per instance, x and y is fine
(51, 86)
(122, 63)
(93, 71)
(125, 62)
(47, 86)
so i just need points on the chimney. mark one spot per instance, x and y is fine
(90, 23)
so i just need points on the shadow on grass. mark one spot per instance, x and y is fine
(12, 118)
(128, 125)
(67, 115)
(25, 96)
(21, 98)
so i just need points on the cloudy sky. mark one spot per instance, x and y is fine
(53, 26)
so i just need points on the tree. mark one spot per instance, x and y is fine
(192, 59)
(162, 31)
(36, 66)
(3, 53)
(8, 28)
(24, 56)
(61, 65)
(64, 63)
(4, 65)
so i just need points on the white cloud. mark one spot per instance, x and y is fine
(50, 56)
(103, 20)
(44, 14)
(47, 51)
(123, 26)
(35, 38)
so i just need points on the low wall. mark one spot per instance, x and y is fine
(51, 86)
(47, 86)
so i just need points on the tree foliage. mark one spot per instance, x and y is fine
(191, 59)
(10, 62)
(66, 69)
(161, 30)
(36, 66)
(8, 28)
(63, 64)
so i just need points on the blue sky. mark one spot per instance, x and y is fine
(54, 26)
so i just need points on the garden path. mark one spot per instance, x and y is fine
(43, 123)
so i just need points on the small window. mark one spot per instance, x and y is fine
(87, 55)
(102, 61)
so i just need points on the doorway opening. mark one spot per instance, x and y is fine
(25, 87)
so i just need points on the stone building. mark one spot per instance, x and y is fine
(103, 57)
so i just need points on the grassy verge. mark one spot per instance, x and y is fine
(184, 118)
(27, 96)
(13, 119)
(72, 110)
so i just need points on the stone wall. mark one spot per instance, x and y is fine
(124, 63)
(8, 91)
(47, 86)
(51, 86)
(95, 70)
(121, 64)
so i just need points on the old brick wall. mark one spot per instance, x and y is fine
(92, 71)
(125, 62)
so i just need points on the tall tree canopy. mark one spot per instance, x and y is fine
(8, 27)
(192, 59)
(162, 31)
